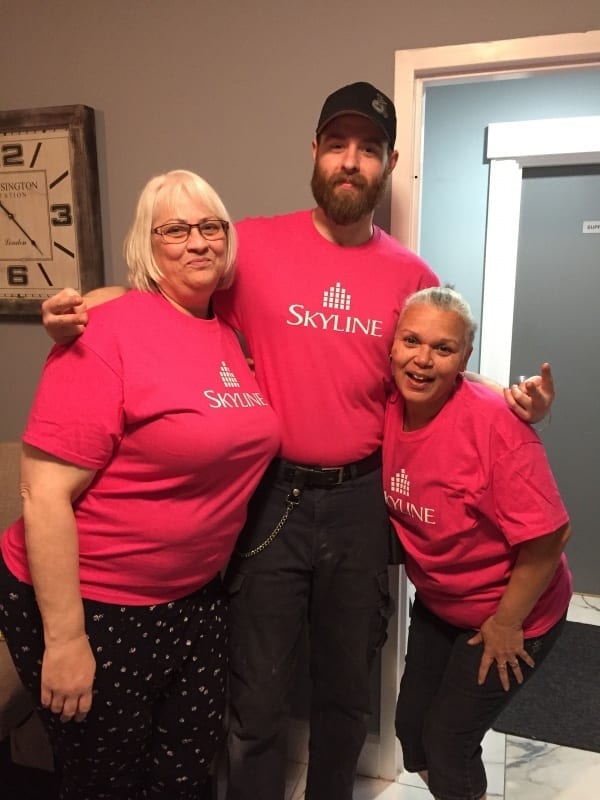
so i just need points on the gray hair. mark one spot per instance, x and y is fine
(446, 298)
(166, 191)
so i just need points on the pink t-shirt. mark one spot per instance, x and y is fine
(462, 493)
(319, 320)
(165, 408)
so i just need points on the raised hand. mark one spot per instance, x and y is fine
(531, 400)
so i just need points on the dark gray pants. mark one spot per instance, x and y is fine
(442, 713)
(328, 566)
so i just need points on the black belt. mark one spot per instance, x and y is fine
(326, 477)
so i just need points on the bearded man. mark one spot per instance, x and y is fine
(317, 295)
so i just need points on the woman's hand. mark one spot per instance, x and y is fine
(502, 632)
(503, 645)
(68, 670)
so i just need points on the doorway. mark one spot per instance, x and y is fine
(542, 282)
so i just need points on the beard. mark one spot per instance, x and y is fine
(347, 206)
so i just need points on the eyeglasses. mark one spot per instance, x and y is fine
(177, 232)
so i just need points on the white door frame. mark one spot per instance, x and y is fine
(433, 66)
(416, 70)
(511, 147)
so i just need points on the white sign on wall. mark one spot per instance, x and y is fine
(591, 226)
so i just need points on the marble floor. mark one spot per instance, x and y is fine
(517, 769)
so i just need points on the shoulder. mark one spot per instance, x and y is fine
(132, 314)
(254, 226)
(132, 302)
(486, 411)
(480, 399)
(229, 333)
(397, 253)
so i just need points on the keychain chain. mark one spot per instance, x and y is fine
(291, 501)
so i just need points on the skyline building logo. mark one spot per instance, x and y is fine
(397, 499)
(227, 376)
(400, 484)
(336, 301)
(337, 297)
(217, 399)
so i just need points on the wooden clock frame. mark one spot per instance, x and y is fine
(78, 120)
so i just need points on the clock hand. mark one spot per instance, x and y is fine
(20, 227)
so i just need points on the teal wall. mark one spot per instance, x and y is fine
(455, 171)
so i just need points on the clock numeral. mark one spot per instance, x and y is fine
(17, 275)
(64, 215)
(12, 155)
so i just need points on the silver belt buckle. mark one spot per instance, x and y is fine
(340, 473)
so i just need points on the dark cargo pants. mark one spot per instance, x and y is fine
(327, 566)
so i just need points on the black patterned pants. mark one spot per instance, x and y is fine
(158, 700)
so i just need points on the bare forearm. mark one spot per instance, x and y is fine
(534, 569)
(49, 488)
(502, 633)
(53, 554)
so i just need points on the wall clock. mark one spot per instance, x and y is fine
(50, 225)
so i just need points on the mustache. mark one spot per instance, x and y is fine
(342, 177)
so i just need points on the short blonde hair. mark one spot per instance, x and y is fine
(167, 190)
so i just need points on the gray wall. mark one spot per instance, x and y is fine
(228, 89)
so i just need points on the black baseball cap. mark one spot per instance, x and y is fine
(363, 99)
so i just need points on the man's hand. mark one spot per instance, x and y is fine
(532, 399)
(65, 316)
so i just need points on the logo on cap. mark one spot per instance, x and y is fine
(380, 105)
